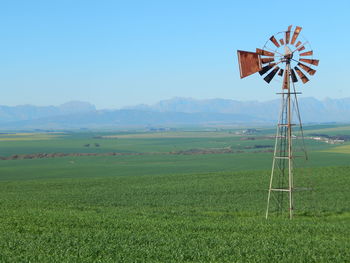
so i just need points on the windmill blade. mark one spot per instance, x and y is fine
(294, 77)
(270, 76)
(301, 48)
(308, 53)
(288, 34)
(266, 68)
(264, 53)
(303, 78)
(307, 68)
(249, 63)
(280, 73)
(274, 41)
(296, 34)
(282, 41)
(298, 44)
(267, 60)
(310, 61)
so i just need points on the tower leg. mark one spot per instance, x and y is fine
(282, 164)
(274, 155)
(290, 164)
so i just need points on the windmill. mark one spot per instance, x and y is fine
(288, 55)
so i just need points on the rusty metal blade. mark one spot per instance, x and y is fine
(296, 34)
(267, 60)
(280, 73)
(264, 53)
(270, 76)
(310, 61)
(301, 48)
(249, 63)
(298, 44)
(308, 53)
(303, 78)
(307, 68)
(288, 34)
(266, 68)
(282, 42)
(285, 80)
(294, 77)
(274, 41)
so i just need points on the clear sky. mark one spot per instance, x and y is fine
(118, 53)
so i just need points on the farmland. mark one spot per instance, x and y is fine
(177, 196)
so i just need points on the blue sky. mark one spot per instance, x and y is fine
(118, 53)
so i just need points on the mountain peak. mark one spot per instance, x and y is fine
(76, 107)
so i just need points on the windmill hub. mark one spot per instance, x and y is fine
(288, 55)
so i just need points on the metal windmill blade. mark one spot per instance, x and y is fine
(293, 76)
(307, 68)
(301, 48)
(266, 68)
(280, 73)
(270, 76)
(263, 52)
(296, 34)
(302, 76)
(308, 53)
(287, 38)
(274, 41)
(267, 60)
(310, 61)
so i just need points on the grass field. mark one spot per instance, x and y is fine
(162, 207)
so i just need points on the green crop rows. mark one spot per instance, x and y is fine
(161, 207)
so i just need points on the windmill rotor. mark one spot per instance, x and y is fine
(282, 48)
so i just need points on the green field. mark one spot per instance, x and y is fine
(167, 198)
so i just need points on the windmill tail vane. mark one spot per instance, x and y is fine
(289, 56)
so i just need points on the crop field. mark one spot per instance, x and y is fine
(28, 136)
(340, 149)
(139, 196)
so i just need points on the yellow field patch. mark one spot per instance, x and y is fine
(29, 136)
(333, 129)
(339, 149)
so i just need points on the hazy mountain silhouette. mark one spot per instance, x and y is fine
(176, 111)
(312, 110)
(30, 112)
(128, 118)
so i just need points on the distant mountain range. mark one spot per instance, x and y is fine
(312, 110)
(30, 112)
(172, 112)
